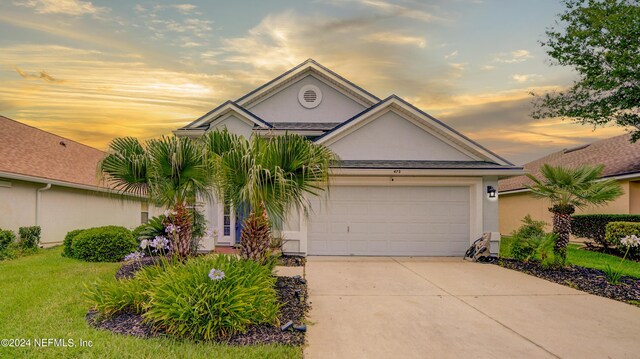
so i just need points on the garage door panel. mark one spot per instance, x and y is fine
(377, 220)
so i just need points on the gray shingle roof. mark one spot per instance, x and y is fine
(403, 164)
(618, 155)
(309, 126)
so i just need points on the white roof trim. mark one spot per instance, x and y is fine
(310, 66)
(419, 118)
(507, 172)
(27, 178)
(223, 112)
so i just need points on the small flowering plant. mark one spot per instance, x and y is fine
(216, 274)
(614, 275)
(134, 257)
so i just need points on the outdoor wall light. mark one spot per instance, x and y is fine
(492, 192)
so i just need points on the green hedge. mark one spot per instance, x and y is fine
(615, 231)
(7, 238)
(67, 250)
(593, 226)
(29, 237)
(103, 244)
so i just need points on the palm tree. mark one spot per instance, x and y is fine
(171, 171)
(568, 189)
(266, 178)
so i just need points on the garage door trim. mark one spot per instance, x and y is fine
(475, 195)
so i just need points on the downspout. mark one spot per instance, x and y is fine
(38, 192)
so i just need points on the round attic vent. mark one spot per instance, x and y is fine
(310, 96)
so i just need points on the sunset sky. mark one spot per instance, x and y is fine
(95, 70)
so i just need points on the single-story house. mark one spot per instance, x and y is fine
(407, 185)
(52, 182)
(621, 160)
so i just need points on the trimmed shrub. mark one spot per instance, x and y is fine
(7, 240)
(593, 226)
(530, 228)
(29, 237)
(67, 244)
(103, 244)
(615, 231)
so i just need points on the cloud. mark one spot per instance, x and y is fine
(116, 94)
(399, 10)
(522, 78)
(285, 40)
(505, 126)
(513, 57)
(37, 75)
(488, 67)
(185, 8)
(396, 39)
(451, 55)
(66, 7)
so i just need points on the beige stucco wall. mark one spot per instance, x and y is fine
(63, 209)
(513, 207)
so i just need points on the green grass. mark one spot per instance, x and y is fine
(42, 297)
(584, 258)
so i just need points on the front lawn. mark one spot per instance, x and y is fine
(584, 258)
(42, 297)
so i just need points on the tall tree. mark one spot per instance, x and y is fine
(171, 171)
(267, 177)
(568, 189)
(600, 40)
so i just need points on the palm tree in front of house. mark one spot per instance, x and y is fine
(568, 189)
(170, 171)
(267, 178)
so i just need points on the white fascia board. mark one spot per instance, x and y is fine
(426, 123)
(277, 132)
(249, 100)
(26, 178)
(424, 172)
(617, 178)
(188, 133)
(225, 110)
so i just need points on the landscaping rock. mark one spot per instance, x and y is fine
(585, 279)
(287, 260)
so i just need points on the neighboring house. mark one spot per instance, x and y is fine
(621, 160)
(50, 181)
(408, 184)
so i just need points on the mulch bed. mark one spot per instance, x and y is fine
(290, 291)
(129, 268)
(589, 280)
(287, 260)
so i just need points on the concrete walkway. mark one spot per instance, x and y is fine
(447, 308)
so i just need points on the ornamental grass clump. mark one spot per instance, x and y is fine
(203, 298)
(212, 297)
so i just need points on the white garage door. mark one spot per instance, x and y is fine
(400, 221)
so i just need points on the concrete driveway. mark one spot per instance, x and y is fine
(447, 308)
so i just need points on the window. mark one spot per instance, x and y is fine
(144, 212)
(227, 221)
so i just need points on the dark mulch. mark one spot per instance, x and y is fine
(294, 309)
(129, 268)
(287, 260)
(124, 323)
(585, 279)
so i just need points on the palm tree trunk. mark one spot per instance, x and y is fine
(181, 231)
(562, 228)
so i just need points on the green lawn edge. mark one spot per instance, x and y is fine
(584, 258)
(43, 297)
